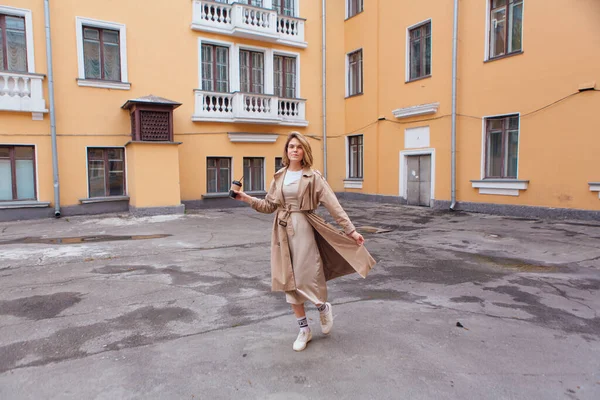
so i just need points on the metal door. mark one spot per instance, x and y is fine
(419, 180)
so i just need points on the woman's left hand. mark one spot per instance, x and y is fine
(360, 240)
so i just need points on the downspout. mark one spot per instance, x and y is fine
(324, 83)
(52, 112)
(453, 145)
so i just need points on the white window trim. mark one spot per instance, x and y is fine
(407, 52)
(595, 187)
(87, 166)
(37, 177)
(353, 183)
(268, 57)
(498, 186)
(22, 12)
(81, 81)
(404, 168)
(288, 54)
(347, 75)
(486, 55)
(234, 82)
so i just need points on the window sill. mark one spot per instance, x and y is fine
(107, 199)
(103, 84)
(24, 204)
(595, 187)
(502, 187)
(516, 53)
(353, 183)
(215, 195)
(418, 79)
(257, 193)
(354, 95)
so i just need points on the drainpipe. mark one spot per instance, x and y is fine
(324, 45)
(453, 146)
(52, 112)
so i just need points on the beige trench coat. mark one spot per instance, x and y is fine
(339, 253)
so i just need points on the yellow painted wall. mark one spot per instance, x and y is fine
(152, 183)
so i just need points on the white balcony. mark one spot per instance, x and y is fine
(249, 108)
(247, 21)
(21, 91)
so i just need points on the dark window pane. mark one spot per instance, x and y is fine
(96, 176)
(513, 156)
(24, 153)
(495, 154)
(498, 33)
(516, 27)
(16, 44)
(116, 184)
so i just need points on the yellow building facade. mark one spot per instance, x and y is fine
(158, 107)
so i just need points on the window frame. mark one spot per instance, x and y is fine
(284, 86)
(280, 165)
(485, 143)
(27, 15)
(106, 171)
(488, 31)
(250, 52)
(214, 67)
(249, 187)
(234, 79)
(360, 157)
(419, 25)
(360, 4)
(281, 8)
(361, 75)
(101, 40)
(13, 169)
(218, 169)
(123, 84)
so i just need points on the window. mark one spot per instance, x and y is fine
(355, 156)
(278, 163)
(284, 7)
(106, 172)
(17, 173)
(502, 146)
(215, 68)
(284, 76)
(420, 51)
(101, 54)
(354, 7)
(256, 3)
(252, 72)
(355, 73)
(218, 174)
(254, 177)
(13, 44)
(506, 27)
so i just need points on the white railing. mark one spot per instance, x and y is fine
(248, 108)
(247, 21)
(21, 92)
(290, 29)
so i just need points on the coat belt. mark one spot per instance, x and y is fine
(283, 217)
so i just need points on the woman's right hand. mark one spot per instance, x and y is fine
(241, 196)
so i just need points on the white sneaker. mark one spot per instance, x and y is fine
(327, 319)
(302, 340)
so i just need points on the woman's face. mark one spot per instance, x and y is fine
(295, 152)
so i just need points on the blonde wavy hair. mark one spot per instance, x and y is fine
(307, 160)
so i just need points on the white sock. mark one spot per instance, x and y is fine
(303, 323)
(323, 308)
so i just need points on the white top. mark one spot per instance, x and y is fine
(292, 177)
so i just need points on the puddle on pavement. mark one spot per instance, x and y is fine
(82, 239)
(515, 264)
(371, 229)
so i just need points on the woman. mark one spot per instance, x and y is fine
(305, 250)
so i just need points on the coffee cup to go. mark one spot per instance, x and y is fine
(235, 185)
